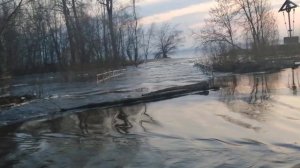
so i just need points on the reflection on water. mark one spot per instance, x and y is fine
(252, 121)
(121, 122)
(79, 137)
(252, 95)
(94, 122)
(293, 85)
(256, 87)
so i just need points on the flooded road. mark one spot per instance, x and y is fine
(66, 90)
(252, 121)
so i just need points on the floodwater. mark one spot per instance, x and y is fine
(68, 90)
(253, 121)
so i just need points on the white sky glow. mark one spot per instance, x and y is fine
(199, 11)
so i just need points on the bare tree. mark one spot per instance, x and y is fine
(218, 36)
(9, 11)
(167, 40)
(257, 20)
(70, 31)
(109, 10)
(4, 21)
(136, 41)
(219, 28)
(232, 21)
(146, 40)
(52, 35)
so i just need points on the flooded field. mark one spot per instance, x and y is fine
(252, 121)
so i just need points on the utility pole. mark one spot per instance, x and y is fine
(287, 7)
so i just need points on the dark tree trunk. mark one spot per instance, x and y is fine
(79, 36)
(109, 8)
(70, 31)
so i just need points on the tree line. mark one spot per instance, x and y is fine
(57, 35)
(239, 27)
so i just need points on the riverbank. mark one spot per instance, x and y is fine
(262, 65)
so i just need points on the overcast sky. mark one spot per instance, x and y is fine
(189, 14)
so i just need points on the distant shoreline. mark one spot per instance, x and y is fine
(255, 66)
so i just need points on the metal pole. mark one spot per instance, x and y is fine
(290, 27)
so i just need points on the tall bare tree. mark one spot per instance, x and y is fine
(109, 5)
(70, 31)
(220, 26)
(258, 21)
(4, 21)
(232, 21)
(136, 51)
(52, 35)
(146, 40)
